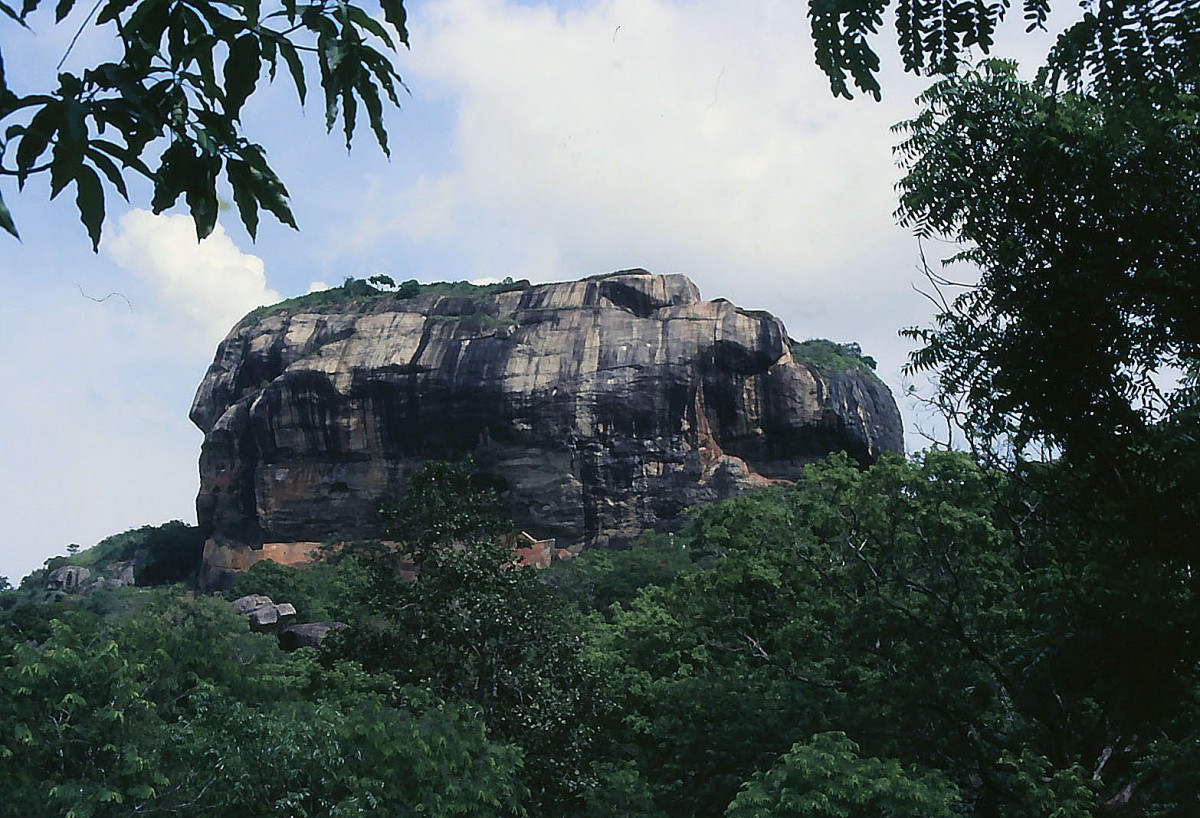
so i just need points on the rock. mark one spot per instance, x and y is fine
(261, 611)
(308, 635)
(124, 574)
(80, 579)
(600, 408)
(120, 575)
(246, 605)
(264, 616)
(67, 578)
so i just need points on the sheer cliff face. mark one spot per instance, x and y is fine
(600, 407)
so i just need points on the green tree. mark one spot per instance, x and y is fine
(176, 708)
(1081, 216)
(1116, 45)
(917, 607)
(600, 577)
(827, 776)
(1075, 198)
(444, 503)
(169, 108)
(476, 628)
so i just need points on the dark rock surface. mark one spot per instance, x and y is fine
(307, 635)
(600, 408)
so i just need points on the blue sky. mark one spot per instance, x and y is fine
(540, 140)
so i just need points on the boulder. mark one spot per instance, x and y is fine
(246, 605)
(67, 578)
(261, 612)
(264, 616)
(307, 635)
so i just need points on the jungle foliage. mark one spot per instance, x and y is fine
(175, 708)
(920, 637)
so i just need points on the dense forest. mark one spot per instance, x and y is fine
(925, 637)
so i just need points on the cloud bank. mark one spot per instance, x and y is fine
(202, 287)
(677, 136)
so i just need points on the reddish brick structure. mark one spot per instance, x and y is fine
(222, 563)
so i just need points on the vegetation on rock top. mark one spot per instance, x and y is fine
(830, 356)
(380, 291)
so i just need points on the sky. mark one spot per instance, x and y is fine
(538, 140)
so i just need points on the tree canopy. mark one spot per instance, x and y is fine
(918, 637)
(1114, 45)
(168, 109)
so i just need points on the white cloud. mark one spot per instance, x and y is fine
(678, 136)
(206, 286)
(316, 287)
(695, 137)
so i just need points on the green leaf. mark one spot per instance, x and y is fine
(332, 53)
(109, 169)
(201, 195)
(241, 179)
(199, 48)
(9, 11)
(271, 193)
(6, 219)
(170, 179)
(177, 32)
(370, 97)
(349, 114)
(393, 12)
(125, 156)
(67, 155)
(295, 68)
(35, 138)
(363, 20)
(112, 10)
(63, 9)
(89, 198)
(241, 73)
(383, 71)
(269, 54)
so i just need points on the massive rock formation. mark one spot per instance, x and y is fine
(600, 407)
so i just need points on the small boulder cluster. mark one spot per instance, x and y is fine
(264, 614)
(261, 612)
(77, 579)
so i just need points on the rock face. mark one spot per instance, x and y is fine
(600, 407)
